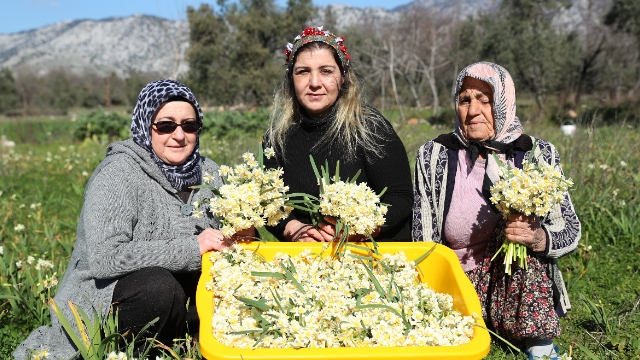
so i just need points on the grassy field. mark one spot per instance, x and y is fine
(43, 177)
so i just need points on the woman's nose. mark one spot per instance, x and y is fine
(178, 134)
(474, 107)
(314, 80)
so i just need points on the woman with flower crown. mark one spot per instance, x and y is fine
(319, 110)
(453, 177)
(138, 246)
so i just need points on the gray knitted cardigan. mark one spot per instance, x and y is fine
(130, 220)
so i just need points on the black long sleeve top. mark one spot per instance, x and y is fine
(389, 169)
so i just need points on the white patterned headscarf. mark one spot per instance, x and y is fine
(506, 124)
(151, 97)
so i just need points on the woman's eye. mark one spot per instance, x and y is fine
(327, 71)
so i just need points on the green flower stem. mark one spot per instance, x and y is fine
(499, 337)
(513, 252)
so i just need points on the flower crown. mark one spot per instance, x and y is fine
(311, 34)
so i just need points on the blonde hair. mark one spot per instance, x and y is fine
(354, 125)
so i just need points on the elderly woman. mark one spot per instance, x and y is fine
(138, 249)
(319, 111)
(453, 175)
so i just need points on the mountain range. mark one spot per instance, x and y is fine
(144, 43)
(134, 44)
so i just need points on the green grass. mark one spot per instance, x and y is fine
(43, 178)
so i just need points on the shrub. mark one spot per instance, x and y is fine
(37, 130)
(102, 124)
(611, 114)
(235, 124)
(447, 116)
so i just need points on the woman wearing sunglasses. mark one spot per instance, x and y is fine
(138, 248)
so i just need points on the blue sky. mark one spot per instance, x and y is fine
(20, 15)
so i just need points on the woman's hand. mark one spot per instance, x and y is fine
(300, 232)
(328, 229)
(526, 230)
(212, 239)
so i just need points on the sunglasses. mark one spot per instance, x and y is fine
(168, 127)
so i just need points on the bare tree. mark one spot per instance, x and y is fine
(382, 66)
(427, 42)
(28, 86)
(593, 37)
(621, 72)
(392, 74)
(413, 48)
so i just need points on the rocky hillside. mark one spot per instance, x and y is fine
(457, 8)
(138, 43)
(345, 16)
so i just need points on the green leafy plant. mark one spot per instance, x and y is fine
(97, 336)
(610, 325)
(235, 124)
(99, 123)
(26, 287)
(182, 349)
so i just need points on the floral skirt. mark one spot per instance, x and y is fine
(516, 306)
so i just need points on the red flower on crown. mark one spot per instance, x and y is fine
(312, 34)
(313, 31)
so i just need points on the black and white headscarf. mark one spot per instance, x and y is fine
(152, 96)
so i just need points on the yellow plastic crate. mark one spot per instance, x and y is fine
(441, 270)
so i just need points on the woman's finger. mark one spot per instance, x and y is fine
(328, 228)
(296, 230)
(525, 237)
(318, 235)
(521, 231)
(523, 225)
(518, 225)
(520, 239)
(206, 240)
(327, 231)
(305, 238)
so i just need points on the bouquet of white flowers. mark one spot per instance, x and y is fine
(251, 195)
(534, 189)
(311, 301)
(356, 208)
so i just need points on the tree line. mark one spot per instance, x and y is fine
(24, 93)
(236, 57)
